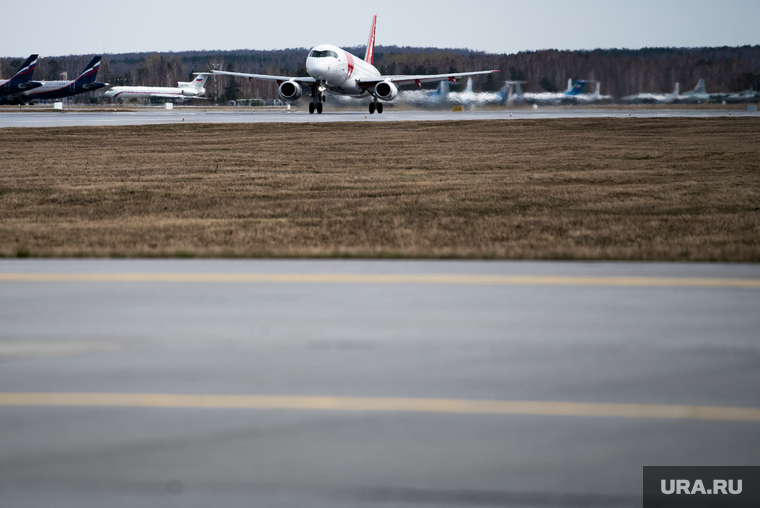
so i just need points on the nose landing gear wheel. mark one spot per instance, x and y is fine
(371, 108)
(311, 108)
(380, 107)
(319, 108)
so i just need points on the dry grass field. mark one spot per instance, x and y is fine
(628, 189)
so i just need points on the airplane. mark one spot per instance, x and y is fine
(745, 96)
(469, 98)
(21, 81)
(436, 97)
(183, 91)
(699, 94)
(653, 98)
(572, 95)
(442, 96)
(59, 89)
(334, 70)
(591, 97)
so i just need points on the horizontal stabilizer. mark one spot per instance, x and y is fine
(28, 85)
(94, 86)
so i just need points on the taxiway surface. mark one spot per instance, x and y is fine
(155, 116)
(369, 383)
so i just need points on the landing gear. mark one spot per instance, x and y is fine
(375, 106)
(318, 97)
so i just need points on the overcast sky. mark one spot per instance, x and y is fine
(55, 27)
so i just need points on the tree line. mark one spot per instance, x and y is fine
(621, 71)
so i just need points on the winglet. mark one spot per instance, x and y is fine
(369, 56)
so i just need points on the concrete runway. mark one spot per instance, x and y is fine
(42, 117)
(369, 383)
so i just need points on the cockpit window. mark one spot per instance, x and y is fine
(323, 54)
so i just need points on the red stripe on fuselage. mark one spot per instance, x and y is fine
(350, 60)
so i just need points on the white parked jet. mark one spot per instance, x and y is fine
(654, 98)
(444, 97)
(573, 95)
(183, 91)
(331, 69)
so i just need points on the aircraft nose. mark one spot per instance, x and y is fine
(316, 67)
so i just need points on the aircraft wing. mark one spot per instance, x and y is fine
(421, 78)
(306, 80)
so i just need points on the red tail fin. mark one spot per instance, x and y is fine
(369, 56)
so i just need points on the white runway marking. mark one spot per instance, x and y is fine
(385, 404)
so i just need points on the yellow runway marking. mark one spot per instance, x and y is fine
(451, 406)
(337, 278)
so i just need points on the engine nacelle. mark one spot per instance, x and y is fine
(290, 91)
(386, 90)
(192, 92)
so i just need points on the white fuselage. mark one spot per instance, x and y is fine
(339, 70)
(146, 92)
(51, 86)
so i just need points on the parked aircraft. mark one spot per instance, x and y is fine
(21, 81)
(59, 89)
(699, 94)
(332, 69)
(183, 91)
(587, 98)
(745, 96)
(469, 98)
(573, 95)
(443, 96)
(653, 98)
(437, 97)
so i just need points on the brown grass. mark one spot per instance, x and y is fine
(644, 189)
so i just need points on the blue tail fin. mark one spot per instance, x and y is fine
(90, 72)
(24, 74)
(442, 91)
(577, 89)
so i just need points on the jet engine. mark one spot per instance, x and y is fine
(386, 91)
(191, 92)
(290, 91)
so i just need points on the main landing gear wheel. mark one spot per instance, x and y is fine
(371, 108)
(379, 107)
(311, 108)
(319, 108)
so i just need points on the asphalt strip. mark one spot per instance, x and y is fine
(333, 278)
